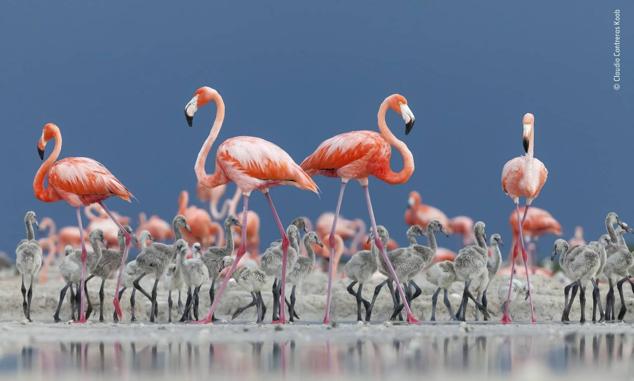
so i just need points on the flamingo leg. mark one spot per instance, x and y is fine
(410, 316)
(241, 250)
(524, 257)
(124, 258)
(285, 243)
(82, 279)
(331, 243)
(506, 317)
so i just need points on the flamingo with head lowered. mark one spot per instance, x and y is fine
(253, 164)
(358, 155)
(80, 181)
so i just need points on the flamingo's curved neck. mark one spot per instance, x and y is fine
(310, 252)
(144, 238)
(609, 225)
(406, 172)
(481, 240)
(30, 233)
(176, 227)
(431, 239)
(47, 194)
(183, 201)
(210, 181)
(497, 256)
(48, 223)
(229, 244)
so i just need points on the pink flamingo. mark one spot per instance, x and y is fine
(101, 221)
(49, 245)
(537, 222)
(79, 181)
(421, 214)
(159, 229)
(576, 240)
(252, 164)
(523, 176)
(463, 225)
(357, 155)
(203, 228)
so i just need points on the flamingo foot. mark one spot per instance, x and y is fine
(279, 321)
(326, 321)
(411, 319)
(82, 320)
(506, 318)
(207, 320)
(117, 308)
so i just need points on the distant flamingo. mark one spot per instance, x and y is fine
(160, 229)
(577, 239)
(537, 222)
(346, 228)
(463, 225)
(358, 155)
(79, 181)
(49, 246)
(523, 176)
(421, 214)
(213, 196)
(325, 251)
(101, 221)
(253, 164)
(204, 229)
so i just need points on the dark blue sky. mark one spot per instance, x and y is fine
(115, 78)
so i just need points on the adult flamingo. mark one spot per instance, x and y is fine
(523, 176)
(253, 164)
(202, 226)
(421, 214)
(357, 155)
(80, 181)
(537, 223)
(159, 229)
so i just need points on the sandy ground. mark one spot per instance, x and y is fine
(309, 350)
(547, 297)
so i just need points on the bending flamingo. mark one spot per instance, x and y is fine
(523, 176)
(537, 223)
(253, 164)
(80, 181)
(358, 155)
(421, 214)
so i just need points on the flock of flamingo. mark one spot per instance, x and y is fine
(199, 246)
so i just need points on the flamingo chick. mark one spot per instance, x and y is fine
(28, 261)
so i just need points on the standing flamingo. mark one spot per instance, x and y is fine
(79, 181)
(523, 176)
(160, 229)
(204, 229)
(253, 164)
(537, 222)
(357, 155)
(421, 214)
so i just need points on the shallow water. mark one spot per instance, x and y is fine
(346, 352)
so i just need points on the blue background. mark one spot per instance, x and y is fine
(115, 78)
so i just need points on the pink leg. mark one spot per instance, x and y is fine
(331, 258)
(82, 279)
(241, 250)
(410, 316)
(285, 243)
(124, 258)
(506, 317)
(524, 258)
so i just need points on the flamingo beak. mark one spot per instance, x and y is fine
(408, 117)
(190, 109)
(40, 152)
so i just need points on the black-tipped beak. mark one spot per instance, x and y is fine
(190, 119)
(408, 126)
(525, 144)
(40, 152)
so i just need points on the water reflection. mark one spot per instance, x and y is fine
(475, 355)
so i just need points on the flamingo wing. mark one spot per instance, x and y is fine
(342, 150)
(256, 163)
(87, 179)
